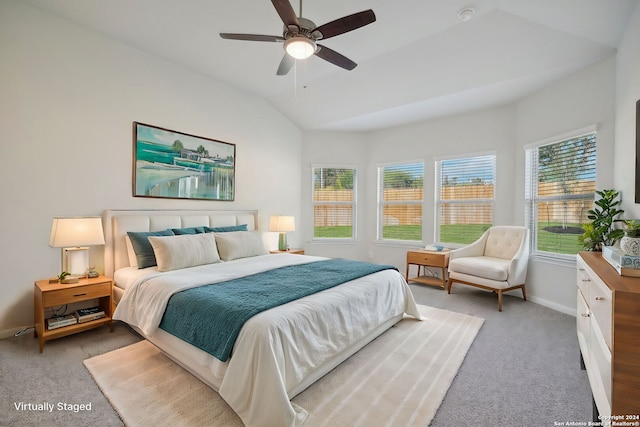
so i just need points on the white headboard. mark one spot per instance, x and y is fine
(116, 223)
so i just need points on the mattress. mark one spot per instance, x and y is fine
(270, 364)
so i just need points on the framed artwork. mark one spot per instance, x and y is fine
(177, 165)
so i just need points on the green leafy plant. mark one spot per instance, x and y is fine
(600, 231)
(63, 275)
(632, 227)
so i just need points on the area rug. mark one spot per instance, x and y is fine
(399, 379)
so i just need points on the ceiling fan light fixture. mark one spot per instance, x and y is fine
(300, 47)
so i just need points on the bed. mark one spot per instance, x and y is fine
(278, 352)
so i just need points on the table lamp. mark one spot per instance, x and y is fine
(75, 235)
(282, 224)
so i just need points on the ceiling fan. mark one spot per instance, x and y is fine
(300, 36)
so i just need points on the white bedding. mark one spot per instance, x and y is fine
(280, 350)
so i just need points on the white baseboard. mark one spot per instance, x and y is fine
(8, 333)
(571, 311)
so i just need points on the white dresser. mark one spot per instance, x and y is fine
(608, 326)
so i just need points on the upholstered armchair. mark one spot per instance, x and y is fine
(497, 261)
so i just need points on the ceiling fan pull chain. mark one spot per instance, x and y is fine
(295, 80)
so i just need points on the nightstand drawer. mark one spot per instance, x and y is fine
(426, 258)
(76, 293)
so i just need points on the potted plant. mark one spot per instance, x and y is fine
(600, 231)
(630, 242)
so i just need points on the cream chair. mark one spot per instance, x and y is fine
(497, 261)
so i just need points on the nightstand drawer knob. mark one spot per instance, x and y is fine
(79, 295)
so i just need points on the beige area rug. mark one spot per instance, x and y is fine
(399, 379)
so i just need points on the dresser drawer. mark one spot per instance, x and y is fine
(76, 293)
(583, 326)
(583, 279)
(601, 305)
(600, 374)
(427, 258)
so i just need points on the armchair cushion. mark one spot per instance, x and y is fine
(504, 241)
(482, 266)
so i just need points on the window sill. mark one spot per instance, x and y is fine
(334, 241)
(565, 261)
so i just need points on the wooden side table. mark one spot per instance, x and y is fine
(54, 294)
(288, 251)
(423, 259)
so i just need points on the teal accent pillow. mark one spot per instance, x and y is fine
(188, 230)
(142, 247)
(241, 227)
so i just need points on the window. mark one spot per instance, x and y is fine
(334, 202)
(465, 189)
(560, 184)
(400, 197)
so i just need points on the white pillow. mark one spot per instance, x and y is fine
(239, 244)
(186, 250)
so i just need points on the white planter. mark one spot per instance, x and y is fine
(630, 245)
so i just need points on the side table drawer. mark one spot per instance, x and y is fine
(426, 258)
(76, 293)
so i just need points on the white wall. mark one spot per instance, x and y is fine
(68, 100)
(585, 98)
(627, 94)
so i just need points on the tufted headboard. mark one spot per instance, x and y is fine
(116, 223)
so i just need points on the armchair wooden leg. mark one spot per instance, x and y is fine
(500, 300)
(450, 284)
(524, 294)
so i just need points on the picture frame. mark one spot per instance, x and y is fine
(177, 165)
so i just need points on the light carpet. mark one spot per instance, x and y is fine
(399, 379)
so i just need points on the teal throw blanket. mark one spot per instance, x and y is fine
(210, 317)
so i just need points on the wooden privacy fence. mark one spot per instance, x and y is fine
(570, 211)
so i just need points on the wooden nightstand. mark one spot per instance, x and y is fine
(55, 294)
(423, 259)
(288, 251)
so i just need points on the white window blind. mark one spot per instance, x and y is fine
(560, 186)
(400, 201)
(334, 202)
(466, 198)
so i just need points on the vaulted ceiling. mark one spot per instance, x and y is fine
(417, 61)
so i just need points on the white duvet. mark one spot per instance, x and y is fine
(278, 350)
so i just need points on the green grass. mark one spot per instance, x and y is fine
(461, 234)
(402, 232)
(333, 232)
(557, 242)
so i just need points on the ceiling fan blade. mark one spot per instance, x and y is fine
(285, 65)
(286, 12)
(346, 24)
(335, 58)
(252, 37)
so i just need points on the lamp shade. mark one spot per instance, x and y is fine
(300, 47)
(76, 231)
(282, 224)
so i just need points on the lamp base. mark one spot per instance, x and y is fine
(282, 242)
(76, 260)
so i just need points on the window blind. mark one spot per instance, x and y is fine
(466, 195)
(400, 201)
(334, 202)
(559, 189)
